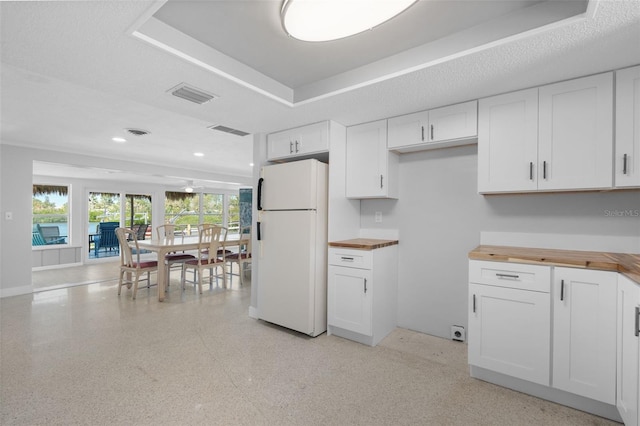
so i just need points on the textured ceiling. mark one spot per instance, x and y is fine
(72, 76)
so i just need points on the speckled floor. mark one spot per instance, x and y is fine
(82, 355)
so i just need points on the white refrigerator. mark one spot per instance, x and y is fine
(292, 245)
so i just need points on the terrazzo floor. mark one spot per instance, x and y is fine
(84, 356)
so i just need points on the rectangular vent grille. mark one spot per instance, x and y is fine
(192, 94)
(228, 130)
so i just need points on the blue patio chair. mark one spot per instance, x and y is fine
(50, 234)
(37, 240)
(106, 238)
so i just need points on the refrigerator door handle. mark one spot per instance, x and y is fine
(260, 194)
(259, 233)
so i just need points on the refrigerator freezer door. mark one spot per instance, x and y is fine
(286, 288)
(290, 186)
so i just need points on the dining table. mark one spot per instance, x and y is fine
(164, 246)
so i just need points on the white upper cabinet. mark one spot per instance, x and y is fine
(437, 128)
(627, 157)
(372, 171)
(454, 122)
(575, 139)
(408, 130)
(508, 142)
(553, 138)
(298, 142)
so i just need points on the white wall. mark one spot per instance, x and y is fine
(439, 216)
(16, 179)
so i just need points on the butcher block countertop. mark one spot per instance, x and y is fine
(627, 264)
(363, 243)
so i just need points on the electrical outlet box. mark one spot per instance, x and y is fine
(457, 333)
(378, 217)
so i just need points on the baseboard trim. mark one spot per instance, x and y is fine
(15, 291)
(545, 392)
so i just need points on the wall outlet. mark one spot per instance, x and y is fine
(457, 333)
(378, 217)
(8, 216)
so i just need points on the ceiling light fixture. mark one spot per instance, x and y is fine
(325, 20)
(198, 154)
(189, 187)
(116, 139)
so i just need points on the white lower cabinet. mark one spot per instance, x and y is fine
(571, 330)
(628, 383)
(509, 319)
(362, 293)
(584, 333)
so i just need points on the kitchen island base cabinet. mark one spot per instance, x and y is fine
(362, 293)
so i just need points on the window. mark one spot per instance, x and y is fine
(233, 214)
(183, 210)
(50, 209)
(187, 210)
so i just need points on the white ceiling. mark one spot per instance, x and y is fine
(76, 73)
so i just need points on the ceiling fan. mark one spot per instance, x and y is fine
(190, 187)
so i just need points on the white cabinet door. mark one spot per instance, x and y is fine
(408, 130)
(350, 296)
(453, 122)
(371, 169)
(313, 138)
(575, 141)
(584, 333)
(628, 384)
(300, 141)
(508, 142)
(280, 145)
(509, 331)
(627, 157)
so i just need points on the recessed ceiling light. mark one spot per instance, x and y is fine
(118, 139)
(198, 154)
(250, 164)
(325, 20)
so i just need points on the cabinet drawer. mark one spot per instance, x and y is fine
(511, 275)
(362, 259)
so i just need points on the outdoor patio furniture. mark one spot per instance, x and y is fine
(106, 238)
(50, 234)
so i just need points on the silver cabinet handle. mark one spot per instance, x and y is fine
(432, 132)
(297, 144)
(290, 147)
(531, 170)
(422, 133)
(515, 277)
(544, 170)
(348, 259)
(474, 303)
(624, 164)
(381, 185)
(637, 321)
(561, 290)
(365, 285)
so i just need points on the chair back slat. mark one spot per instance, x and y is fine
(125, 238)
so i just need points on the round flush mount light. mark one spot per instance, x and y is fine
(117, 139)
(325, 20)
(198, 154)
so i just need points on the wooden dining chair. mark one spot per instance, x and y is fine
(243, 256)
(207, 258)
(167, 232)
(130, 262)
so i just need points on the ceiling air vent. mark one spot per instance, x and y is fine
(192, 94)
(228, 130)
(137, 132)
